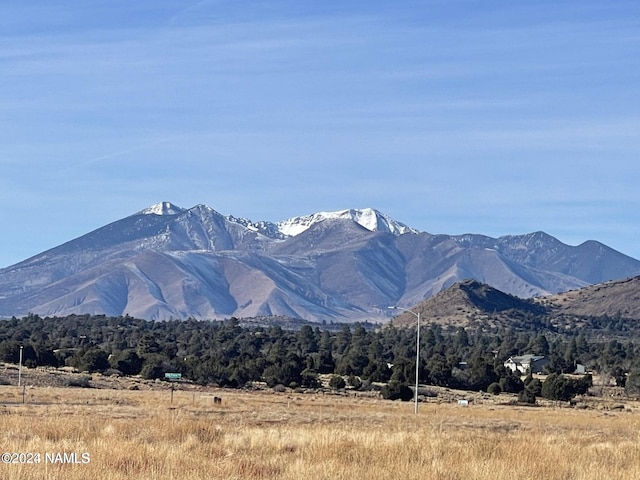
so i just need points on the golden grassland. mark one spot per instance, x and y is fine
(265, 435)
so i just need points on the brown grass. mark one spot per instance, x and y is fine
(140, 435)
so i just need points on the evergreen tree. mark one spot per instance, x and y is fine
(397, 391)
(337, 382)
(306, 339)
(632, 385)
(127, 361)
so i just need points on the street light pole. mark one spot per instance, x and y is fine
(20, 367)
(417, 315)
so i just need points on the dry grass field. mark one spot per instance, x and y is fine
(263, 435)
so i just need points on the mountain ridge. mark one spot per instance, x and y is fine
(168, 262)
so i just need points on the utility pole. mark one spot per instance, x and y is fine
(20, 368)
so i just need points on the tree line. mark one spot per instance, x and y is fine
(228, 354)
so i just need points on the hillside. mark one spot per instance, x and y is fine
(620, 298)
(612, 305)
(470, 303)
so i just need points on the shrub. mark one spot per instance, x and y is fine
(354, 382)
(9, 351)
(397, 390)
(555, 388)
(127, 361)
(511, 384)
(560, 387)
(494, 389)
(92, 360)
(337, 382)
(632, 385)
(527, 396)
(152, 370)
(534, 386)
(83, 381)
(309, 379)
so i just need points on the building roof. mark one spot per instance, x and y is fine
(524, 359)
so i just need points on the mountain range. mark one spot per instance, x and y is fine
(169, 262)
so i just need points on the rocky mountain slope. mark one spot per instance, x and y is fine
(169, 262)
(467, 302)
(619, 298)
(470, 303)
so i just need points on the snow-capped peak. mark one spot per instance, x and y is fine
(368, 218)
(162, 208)
(371, 219)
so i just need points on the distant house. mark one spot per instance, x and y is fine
(527, 363)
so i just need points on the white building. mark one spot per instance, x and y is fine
(526, 363)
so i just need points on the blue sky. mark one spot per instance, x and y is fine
(450, 116)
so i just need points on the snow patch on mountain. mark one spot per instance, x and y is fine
(265, 228)
(368, 218)
(371, 219)
(162, 208)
